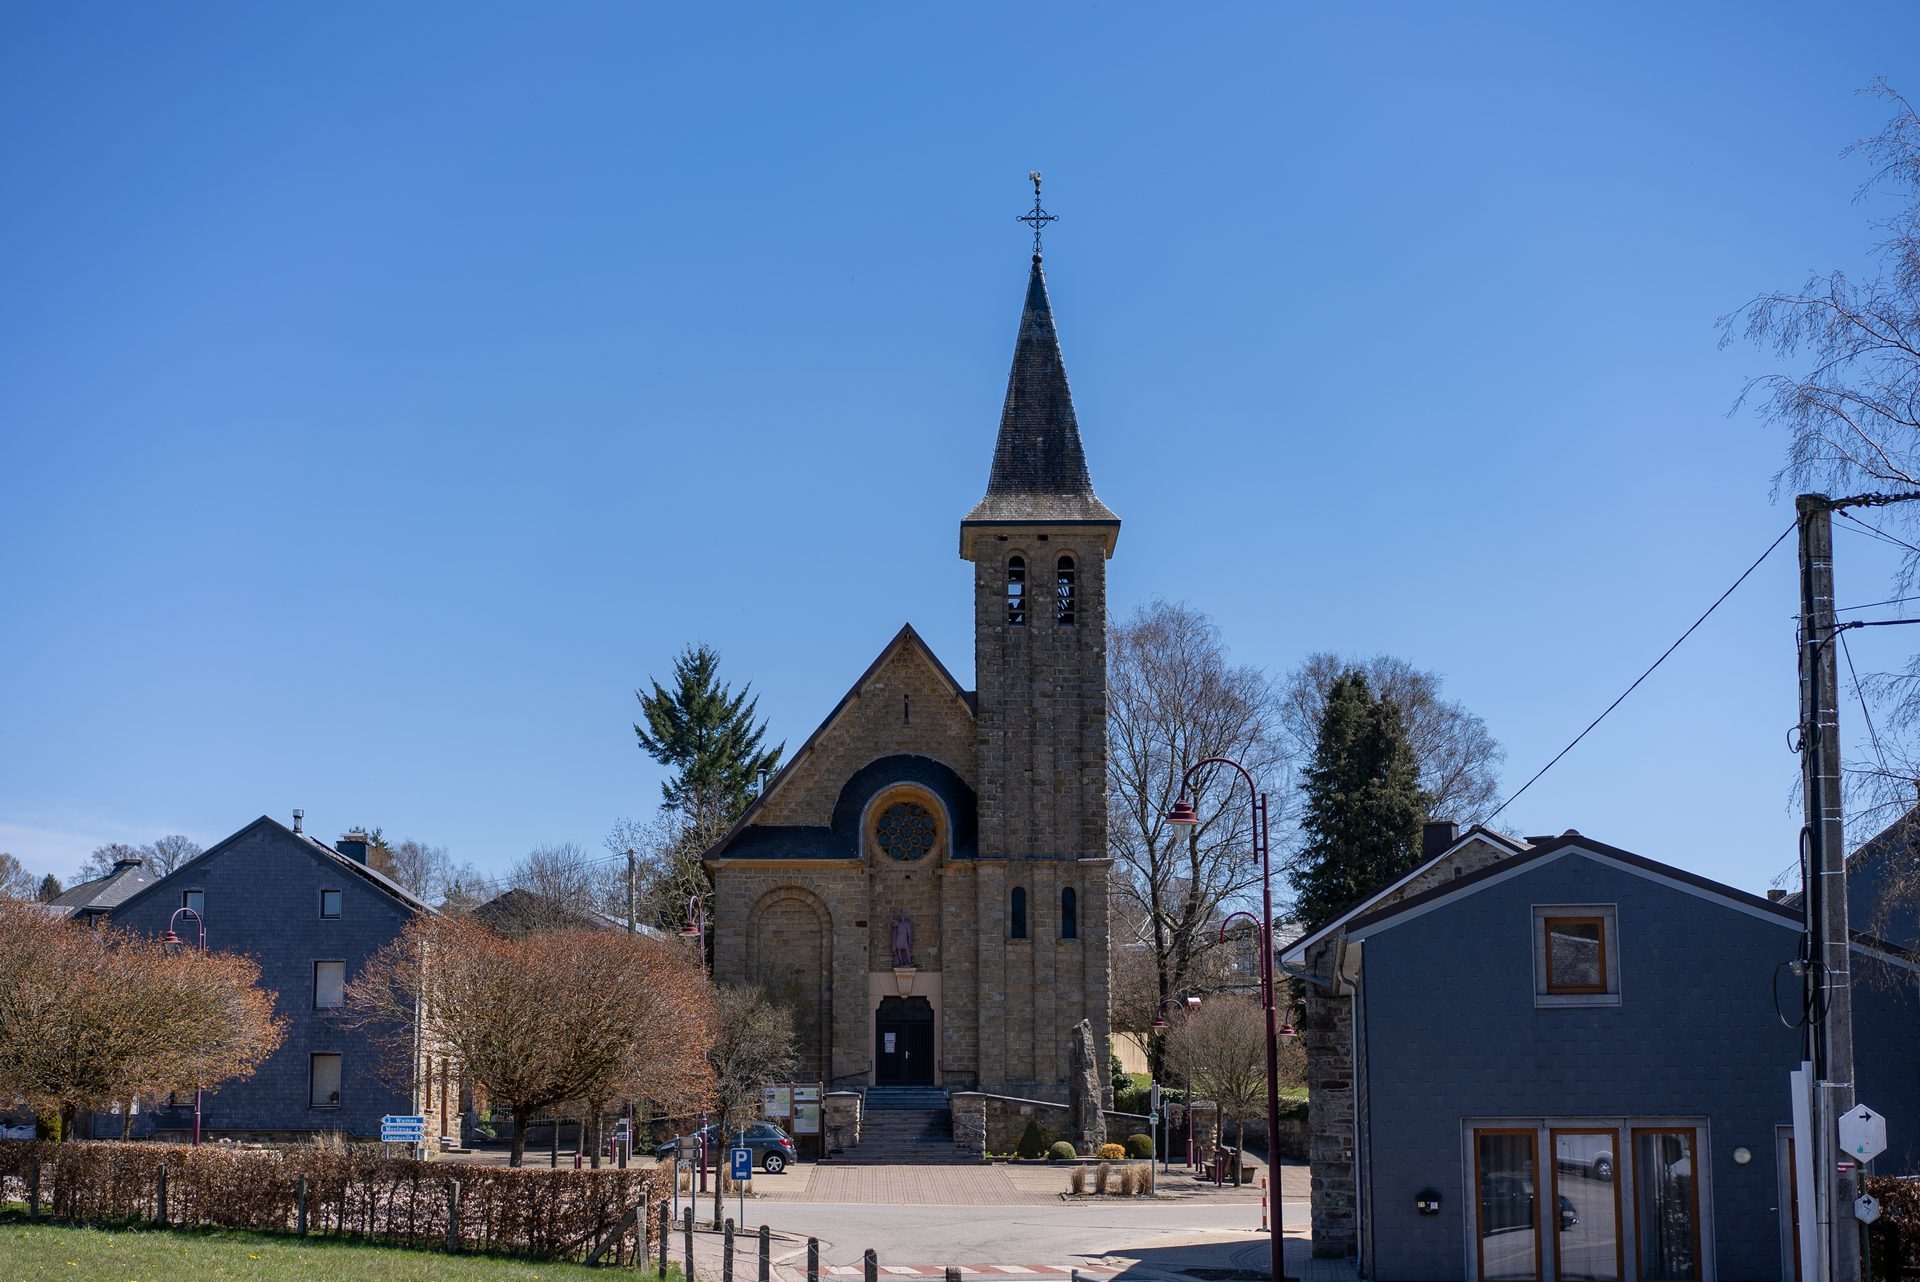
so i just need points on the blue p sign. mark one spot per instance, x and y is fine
(742, 1164)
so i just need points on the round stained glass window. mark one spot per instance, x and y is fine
(905, 830)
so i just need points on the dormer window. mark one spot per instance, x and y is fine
(1063, 591)
(1017, 592)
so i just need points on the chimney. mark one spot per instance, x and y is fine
(1775, 894)
(131, 861)
(298, 815)
(353, 845)
(1437, 837)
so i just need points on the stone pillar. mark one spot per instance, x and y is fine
(840, 1120)
(1087, 1123)
(1327, 1030)
(969, 1124)
(1206, 1130)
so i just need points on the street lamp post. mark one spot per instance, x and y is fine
(696, 927)
(1185, 815)
(173, 940)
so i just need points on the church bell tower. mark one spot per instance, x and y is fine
(1039, 542)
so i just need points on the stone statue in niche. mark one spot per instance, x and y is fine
(902, 940)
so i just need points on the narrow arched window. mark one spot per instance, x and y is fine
(1017, 592)
(1063, 591)
(1017, 914)
(1069, 914)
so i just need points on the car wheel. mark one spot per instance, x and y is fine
(773, 1163)
(1602, 1168)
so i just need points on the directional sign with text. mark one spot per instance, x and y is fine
(402, 1130)
(1863, 1134)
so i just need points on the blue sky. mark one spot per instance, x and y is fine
(386, 391)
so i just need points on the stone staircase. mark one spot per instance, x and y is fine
(902, 1125)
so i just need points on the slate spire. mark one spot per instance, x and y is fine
(1039, 468)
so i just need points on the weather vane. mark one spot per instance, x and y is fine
(1039, 218)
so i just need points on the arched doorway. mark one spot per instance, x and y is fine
(903, 1041)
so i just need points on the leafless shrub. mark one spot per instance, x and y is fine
(1077, 1182)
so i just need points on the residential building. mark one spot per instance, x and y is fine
(94, 901)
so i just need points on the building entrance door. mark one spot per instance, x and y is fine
(903, 1041)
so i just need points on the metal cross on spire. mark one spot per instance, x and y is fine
(1039, 218)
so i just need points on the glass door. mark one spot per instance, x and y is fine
(1666, 1205)
(1586, 1210)
(1506, 1219)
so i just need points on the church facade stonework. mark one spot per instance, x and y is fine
(924, 885)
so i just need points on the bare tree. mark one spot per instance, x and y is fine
(669, 874)
(752, 1049)
(555, 1018)
(1173, 701)
(1221, 1047)
(15, 881)
(1458, 759)
(565, 876)
(91, 1017)
(101, 861)
(169, 852)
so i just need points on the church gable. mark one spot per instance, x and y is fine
(905, 706)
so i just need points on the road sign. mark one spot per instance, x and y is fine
(1153, 1120)
(395, 1129)
(1153, 1099)
(742, 1164)
(1866, 1208)
(1863, 1134)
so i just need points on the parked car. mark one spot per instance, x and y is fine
(772, 1147)
(1589, 1154)
(1506, 1202)
(17, 1131)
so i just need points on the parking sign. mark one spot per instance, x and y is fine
(742, 1164)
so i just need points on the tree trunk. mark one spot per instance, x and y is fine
(69, 1113)
(596, 1113)
(517, 1154)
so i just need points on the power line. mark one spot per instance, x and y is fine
(1877, 532)
(1644, 675)
(1872, 734)
(1849, 609)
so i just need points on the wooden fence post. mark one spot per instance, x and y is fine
(453, 1217)
(160, 1198)
(766, 1254)
(33, 1189)
(666, 1232)
(870, 1265)
(687, 1230)
(300, 1207)
(726, 1254)
(813, 1259)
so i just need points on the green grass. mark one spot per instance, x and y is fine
(37, 1251)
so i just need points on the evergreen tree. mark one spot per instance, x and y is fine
(706, 735)
(1364, 806)
(50, 889)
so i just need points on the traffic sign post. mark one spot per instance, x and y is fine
(395, 1129)
(1863, 1134)
(1866, 1208)
(742, 1159)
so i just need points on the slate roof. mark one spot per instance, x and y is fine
(311, 843)
(127, 879)
(516, 912)
(1039, 468)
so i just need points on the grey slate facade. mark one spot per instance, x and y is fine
(1452, 1036)
(262, 889)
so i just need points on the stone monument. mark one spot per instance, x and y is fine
(1087, 1122)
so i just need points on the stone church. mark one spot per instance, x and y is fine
(924, 884)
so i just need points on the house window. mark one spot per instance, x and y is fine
(1506, 1225)
(1017, 914)
(1063, 591)
(1069, 914)
(1017, 592)
(1576, 958)
(1666, 1205)
(195, 900)
(329, 984)
(323, 1081)
(329, 903)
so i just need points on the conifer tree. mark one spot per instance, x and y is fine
(1363, 804)
(50, 889)
(706, 735)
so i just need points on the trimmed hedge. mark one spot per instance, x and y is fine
(1061, 1152)
(1140, 1147)
(1894, 1238)
(1033, 1141)
(547, 1215)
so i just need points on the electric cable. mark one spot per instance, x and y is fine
(1644, 675)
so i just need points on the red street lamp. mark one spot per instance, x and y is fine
(173, 940)
(696, 927)
(1184, 814)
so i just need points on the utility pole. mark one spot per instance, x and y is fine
(1830, 1028)
(633, 924)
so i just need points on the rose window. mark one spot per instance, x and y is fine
(905, 830)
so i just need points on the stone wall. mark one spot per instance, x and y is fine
(986, 1124)
(840, 1120)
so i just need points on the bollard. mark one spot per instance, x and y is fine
(33, 1190)
(953, 1273)
(300, 1207)
(813, 1258)
(1263, 1204)
(766, 1254)
(453, 1217)
(726, 1253)
(870, 1265)
(688, 1230)
(161, 1199)
(666, 1232)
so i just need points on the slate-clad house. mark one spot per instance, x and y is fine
(311, 915)
(1567, 1064)
(92, 901)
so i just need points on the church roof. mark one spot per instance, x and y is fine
(1039, 468)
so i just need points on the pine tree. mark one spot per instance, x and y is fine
(1363, 807)
(706, 735)
(50, 889)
